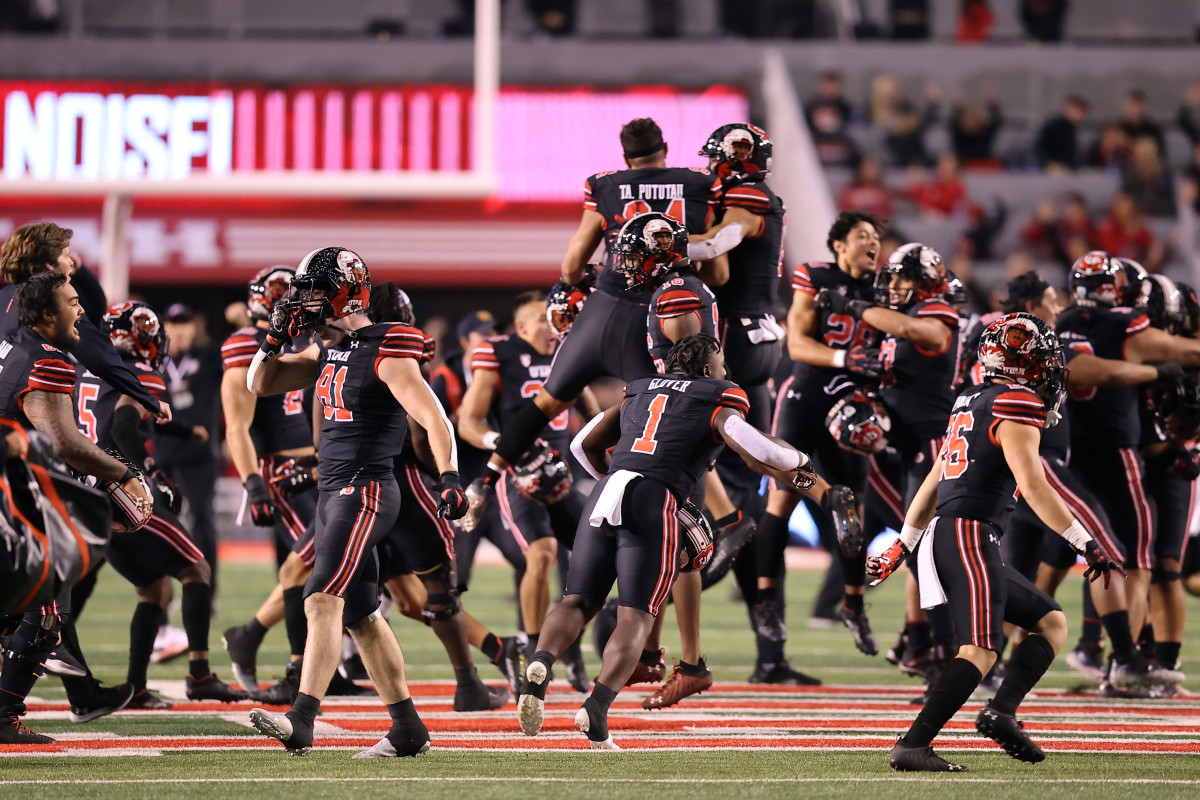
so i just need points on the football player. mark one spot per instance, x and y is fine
(369, 383)
(37, 380)
(608, 336)
(163, 547)
(664, 435)
(990, 449)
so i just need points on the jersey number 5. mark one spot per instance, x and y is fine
(531, 389)
(329, 392)
(954, 460)
(88, 392)
(646, 443)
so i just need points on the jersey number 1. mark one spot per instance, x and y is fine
(646, 443)
(329, 392)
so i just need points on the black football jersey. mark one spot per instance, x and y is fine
(976, 482)
(520, 369)
(280, 422)
(916, 386)
(667, 427)
(29, 364)
(96, 400)
(680, 294)
(363, 426)
(756, 264)
(685, 194)
(1109, 414)
(839, 331)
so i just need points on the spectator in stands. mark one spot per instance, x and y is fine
(973, 130)
(1125, 233)
(829, 96)
(910, 19)
(1191, 182)
(868, 191)
(975, 21)
(944, 195)
(885, 94)
(1040, 235)
(1111, 149)
(1189, 113)
(1076, 230)
(1147, 180)
(1058, 140)
(905, 137)
(834, 146)
(1136, 124)
(1043, 19)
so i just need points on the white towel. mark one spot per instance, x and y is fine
(608, 505)
(932, 594)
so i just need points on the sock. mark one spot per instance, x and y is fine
(1117, 625)
(699, 668)
(520, 432)
(1092, 629)
(142, 630)
(729, 519)
(602, 697)
(303, 714)
(255, 630)
(1146, 637)
(198, 668)
(16, 682)
(946, 697)
(467, 676)
(650, 658)
(491, 648)
(79, 690)
(941, 628)
(854, 568)
(408, 733)
(918, 636)
(770, 542)
(597, 706)
(853, 602)
(1030, 660)
(539, 689)
(532, 647)
(197, 615)
(1166, 653)
(294, 619)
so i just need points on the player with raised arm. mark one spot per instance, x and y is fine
(369, 383)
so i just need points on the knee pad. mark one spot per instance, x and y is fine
(444, 574)
(36, 635)
(441, 607)
(1160, 575)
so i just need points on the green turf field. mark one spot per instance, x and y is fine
(454, 773)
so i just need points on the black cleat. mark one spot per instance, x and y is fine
(60, 662)
(860, 629)
(146, 700)
(896, 653)
(13, 732)
(782, 674)
(278, 726)
(572, 660)
(730, 541)
(341, 686)
(355, 669)
(844, 510)
(243, 657)
(478, 696)
(211, 687)
(103, 702)
(512, 663)
(283, 693)
(920, 759)
(768, 621)
(1008, 732)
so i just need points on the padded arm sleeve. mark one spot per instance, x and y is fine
(766, 451)
(577, 447)
(725, 240)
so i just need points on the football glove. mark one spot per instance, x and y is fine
(805, 475)
(282, 328)
(838, 303)
(863, 362)
(479, 494)
(452, 500)
(293, 476)
(881, 566)
(1187, 464)
(258, 500)
(166, 487)
(1099, 564)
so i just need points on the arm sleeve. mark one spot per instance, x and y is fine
(1020, 405)
(97, 353)
(941, 312)
(52, 375)
(91, 295)
(802, 281)
(484, 357)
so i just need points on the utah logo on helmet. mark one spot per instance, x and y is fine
(1097, 279)
(648, 247)
(1020, 348)
(916, 264)
(342, 277)
(268, 287)
(135, 328)
(740, 152)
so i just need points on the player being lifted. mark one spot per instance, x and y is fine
(369, 382)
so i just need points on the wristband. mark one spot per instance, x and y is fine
(1076, 536)
(839, 359)
(910, 535)
(128, 476)
(489, 440)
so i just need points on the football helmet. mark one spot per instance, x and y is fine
(695, 538)
(1136, 282)
(1097, 280)
(266, 288)
(858, 422)
(956, 290)
(648, 247)
(1020, 348)
(1191, 310)
(742, 152)
(1174, 406)
(542, 475)
(135, 328)
(565, 301)
(1165, 305)
(918, 263)
(330, 283)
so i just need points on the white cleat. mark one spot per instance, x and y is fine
(531, 710)
(384, 749)
(584, 723)
(277, 726)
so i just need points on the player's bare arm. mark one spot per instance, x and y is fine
(930, 335)
(239, 404)
(802, 323)
(1089, 370)
(286, 373)
(1020, 443)
(1154, 346)
(473, 410)
(53, 414)
(583, 243)
(403, 378)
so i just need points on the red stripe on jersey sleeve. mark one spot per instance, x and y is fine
(156, 385)
(589, 198)
(1137, 324)
(52, 375)
(714, 193)
(402, 341)
(428, 349)
(802, 281)
(749, 198)
(676, 303)
(940, 311)
(484, 357)
(734, 397)
(1024, 419)
(1020, 405)
(238, 351)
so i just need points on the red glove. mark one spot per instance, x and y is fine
(881, 566)
(863, 362)
(1099, 564)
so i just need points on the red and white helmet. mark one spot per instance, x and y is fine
(135, 328)
(859, 423)
(267, 287)
(342, 277)
(1098, 280)
(1020, 348)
